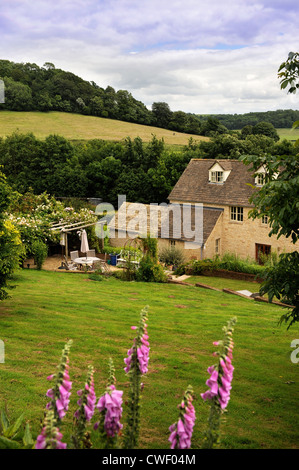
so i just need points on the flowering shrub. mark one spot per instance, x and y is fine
(109, 426)
(33, 215)
(10, 241)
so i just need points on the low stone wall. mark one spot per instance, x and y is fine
(232, 275)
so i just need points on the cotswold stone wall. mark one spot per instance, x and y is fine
(241, 237)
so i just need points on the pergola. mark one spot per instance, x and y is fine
(66, 227)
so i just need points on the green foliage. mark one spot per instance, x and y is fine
(278, 198)
(288, 72)
(32, 216)
(172, 256)
(96, 276)
(144, 172)
(14, 435)
(212, 127)
(39, 252)
(10, 241)
(281, 281)
(232, 262)
(228, 262)
(235, 145)
(149, 270)
(280, 119)
(150, 247)
(266, 128)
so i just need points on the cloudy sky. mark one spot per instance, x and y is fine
(217, 56)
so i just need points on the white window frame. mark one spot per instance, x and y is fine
(217, 177)
(260, 179)
(265, 220)
(236, 214)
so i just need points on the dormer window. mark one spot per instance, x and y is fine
(216, 176)
(260, 177)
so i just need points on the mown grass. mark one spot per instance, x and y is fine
(47, 309)
(79, 127)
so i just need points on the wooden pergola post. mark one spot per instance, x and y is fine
(66, 245)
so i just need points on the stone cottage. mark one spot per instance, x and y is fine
(225, 186)
(207, 214)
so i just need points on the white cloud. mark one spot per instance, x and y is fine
(202, 57)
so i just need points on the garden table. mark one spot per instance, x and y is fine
(86, 261)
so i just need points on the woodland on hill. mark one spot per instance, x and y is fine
(29, 87)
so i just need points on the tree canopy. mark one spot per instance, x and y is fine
(278, 200)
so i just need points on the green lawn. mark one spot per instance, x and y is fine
(47, 309)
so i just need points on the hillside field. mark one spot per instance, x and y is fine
(289, 134)
(79, 127)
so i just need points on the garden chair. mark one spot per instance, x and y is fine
(91, 253)
(102, 265)
(69, 266)
(74, 255)
(121, 260)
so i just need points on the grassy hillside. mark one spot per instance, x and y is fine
(78, 127)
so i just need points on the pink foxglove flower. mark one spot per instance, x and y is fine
(181, 431)
(221, 376)
(50, 436)
(83, 415)
(61, 391)
(87, 398)
(212, 382)
(110, 404)
(140, 347)
(219, 384)
(136, 366)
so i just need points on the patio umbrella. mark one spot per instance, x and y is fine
(84, 242)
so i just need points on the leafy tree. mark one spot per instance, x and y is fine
(162, 114)
(234, 145)
(153, 153)
(18, 96)
(246, 130)
(278, 199)
(212, 126)
(290, 77)
(266, 128)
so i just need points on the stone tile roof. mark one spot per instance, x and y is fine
(141, 219)
(210, 217)
(194, 186)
